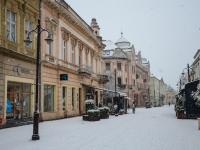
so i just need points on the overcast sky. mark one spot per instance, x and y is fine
(167, 32)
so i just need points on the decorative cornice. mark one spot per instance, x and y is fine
(73, 18)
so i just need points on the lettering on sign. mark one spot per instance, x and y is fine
(20, 70)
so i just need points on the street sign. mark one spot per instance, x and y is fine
(63, 77)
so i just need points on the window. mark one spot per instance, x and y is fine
(80, 57)
(11, 26)
(49, 47)
(119, 80)
(28, 28)
(107, 66)
(96, 66)
(137, 76)
(64, 50)
(48, 98)
(133, 82)
(73, 54)
(119, 66)
(64, 95)
(73, 98)
(126, 67)
(92, 62)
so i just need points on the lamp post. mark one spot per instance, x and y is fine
(49, 39)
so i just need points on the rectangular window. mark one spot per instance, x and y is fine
(73, 98)
(50, 46)
(11, 26)
(73, 54)
(119, 80)
(64, 50)
(119, 66)
(64, 96)
(80, 57)
(28, 28)
(126, 67)
(107, 66)
(48, 98)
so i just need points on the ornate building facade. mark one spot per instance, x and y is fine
(132, 73)
(76, 53)
(142, 80)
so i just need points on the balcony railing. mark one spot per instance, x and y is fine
(122, 86)
(103, 78)
(60, 62)
(85, 70)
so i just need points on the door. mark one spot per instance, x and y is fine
(80, 101)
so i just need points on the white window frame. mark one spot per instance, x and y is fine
(9, 23)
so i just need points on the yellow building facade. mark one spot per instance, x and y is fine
(17, 60)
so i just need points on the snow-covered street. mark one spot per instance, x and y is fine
(148, 129)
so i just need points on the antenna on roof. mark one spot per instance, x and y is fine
(121, 34)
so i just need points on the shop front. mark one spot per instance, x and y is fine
(19, 99)
(18, 102)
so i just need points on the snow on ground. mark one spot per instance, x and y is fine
(148, 129)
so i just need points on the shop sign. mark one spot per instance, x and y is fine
(20, 70)
(63, 77)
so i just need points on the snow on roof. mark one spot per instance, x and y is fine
(122, 42)
(88, 101)
(119, 53)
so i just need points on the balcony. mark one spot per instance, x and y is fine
(103, 78)
(61, 63)
(122, 86)
(85, 70)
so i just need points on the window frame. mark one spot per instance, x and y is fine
(46, 89)
(9, 27)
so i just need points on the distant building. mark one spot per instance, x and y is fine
(142, 80)
(132, 71)
(158, 90)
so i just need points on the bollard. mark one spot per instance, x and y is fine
(198, 119)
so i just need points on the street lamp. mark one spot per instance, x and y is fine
(49, 39)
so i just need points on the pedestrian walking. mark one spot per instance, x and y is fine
(169, 104)
(116, 109)
(133, 108)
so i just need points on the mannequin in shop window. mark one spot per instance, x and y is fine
(18, 107)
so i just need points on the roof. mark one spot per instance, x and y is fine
(119, 53)
(196, 54)
(122, 42)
